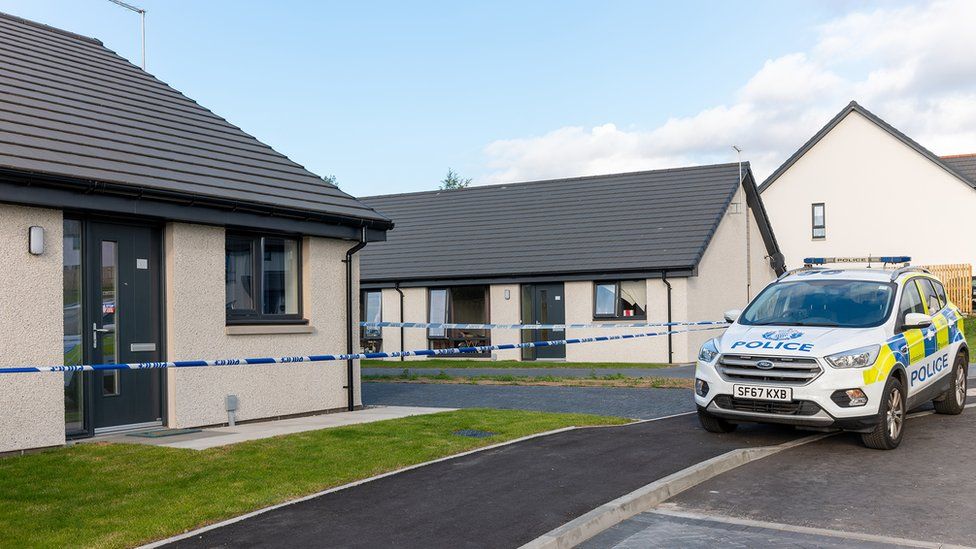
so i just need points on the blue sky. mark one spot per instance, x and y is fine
(387, 96)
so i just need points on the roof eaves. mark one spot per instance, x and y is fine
(853, 106)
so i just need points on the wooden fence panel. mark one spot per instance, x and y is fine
(958, 281)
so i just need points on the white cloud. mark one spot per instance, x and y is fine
(913, 66)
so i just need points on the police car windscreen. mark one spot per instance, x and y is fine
(833, 303)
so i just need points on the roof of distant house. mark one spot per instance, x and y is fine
(73, 109)
(639, 222)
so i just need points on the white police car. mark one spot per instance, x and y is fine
(851, 349)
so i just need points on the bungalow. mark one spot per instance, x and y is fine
(655, 246)
(136, 226)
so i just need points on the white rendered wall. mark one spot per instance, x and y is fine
(31, 321)
(875, 188)
(195, 328)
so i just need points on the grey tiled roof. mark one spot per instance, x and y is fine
(964, 164)
(71, 108)
(643, 221)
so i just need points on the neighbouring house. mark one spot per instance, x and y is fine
(138, 226)
(860, 188)
(680, 244)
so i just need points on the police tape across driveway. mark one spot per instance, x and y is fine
(456, 326)
(339, 357)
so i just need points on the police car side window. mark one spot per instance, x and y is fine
(911, 302)
(928, 293)
(940, 291)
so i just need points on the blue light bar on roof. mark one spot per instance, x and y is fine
(869, 259)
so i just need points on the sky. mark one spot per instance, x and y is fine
(387, 96)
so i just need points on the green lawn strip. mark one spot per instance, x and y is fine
(115, 495)
(447, 363)
(969, 326)
(593, 380)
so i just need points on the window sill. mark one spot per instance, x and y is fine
(620, 319)
(268, 329)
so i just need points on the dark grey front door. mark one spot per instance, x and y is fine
(122, 305)
(543, 304)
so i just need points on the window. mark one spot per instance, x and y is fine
(819, 222)
(262, 280)
(458, 305)
(625, 300)
(940, 291)
(911, 302)
(371, 339)
(929, 295)
(829, 303)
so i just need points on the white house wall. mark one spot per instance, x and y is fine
(195, 320)
(881, 198)
(31, 319)
(721, 283)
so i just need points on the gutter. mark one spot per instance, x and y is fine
(350, 370)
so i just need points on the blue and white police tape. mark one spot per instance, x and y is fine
(338, 357)
(462, 326)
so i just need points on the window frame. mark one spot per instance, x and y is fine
(813, 220)
(618, 309)
(449, 335)
(910, 283)
(246, 317)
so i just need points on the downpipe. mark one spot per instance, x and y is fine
(664, 278)
(350, 370)
(399, 291)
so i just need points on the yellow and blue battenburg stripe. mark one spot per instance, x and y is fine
(913, 346)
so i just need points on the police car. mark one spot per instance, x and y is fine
(837, 348)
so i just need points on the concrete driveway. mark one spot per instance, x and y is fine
(829, 493)
(608, 401)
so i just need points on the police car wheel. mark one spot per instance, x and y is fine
(953, 402)
(714, 424)
(887, 435)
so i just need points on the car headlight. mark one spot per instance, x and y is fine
(862, 357)
(708, 351)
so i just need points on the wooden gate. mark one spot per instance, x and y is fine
(958, 281)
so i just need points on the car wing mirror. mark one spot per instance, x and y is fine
(917, 320)
(732, 314)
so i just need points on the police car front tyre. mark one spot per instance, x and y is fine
(891, 427)
(953, 402)
(714, 424)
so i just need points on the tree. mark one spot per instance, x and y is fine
(454, 181)
(332, 180)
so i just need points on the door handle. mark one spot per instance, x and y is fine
(95, 331)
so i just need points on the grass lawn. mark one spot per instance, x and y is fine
(114, 495)
(612, 380)
(969, 326)
(439, 363)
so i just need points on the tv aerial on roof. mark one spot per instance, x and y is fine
(142, 17)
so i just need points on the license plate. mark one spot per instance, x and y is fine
(757, 392)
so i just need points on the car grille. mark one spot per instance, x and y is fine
(785, 370)
(795, 408)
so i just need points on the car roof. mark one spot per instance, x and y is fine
(828, 273)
